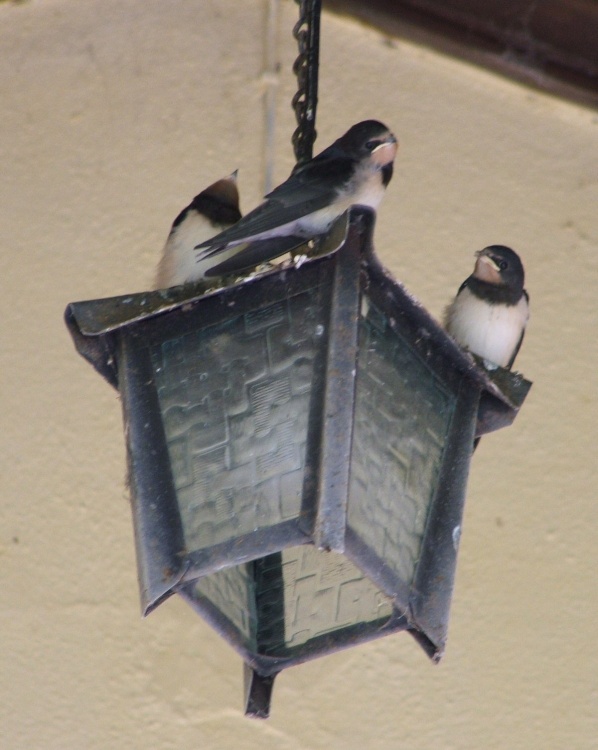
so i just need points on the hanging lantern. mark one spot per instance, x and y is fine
(299, 446)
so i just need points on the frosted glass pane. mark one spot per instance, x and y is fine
(235, 402)
(314, 593)
(402, 416)
(232, 593)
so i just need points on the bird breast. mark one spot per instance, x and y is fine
(490, 331)
(364, 189)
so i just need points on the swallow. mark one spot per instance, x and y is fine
(490, 312)
(216, 208)
(355, 169)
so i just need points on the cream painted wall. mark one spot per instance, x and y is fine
(113, 115)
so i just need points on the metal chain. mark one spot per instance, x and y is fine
(307, 33)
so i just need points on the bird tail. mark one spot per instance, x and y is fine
(254, 253)
(207, 252)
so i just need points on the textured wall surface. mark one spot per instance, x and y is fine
(113, 116)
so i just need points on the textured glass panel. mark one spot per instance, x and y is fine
(309, 593)
(235, 403)
(231, 592)
(402, 415)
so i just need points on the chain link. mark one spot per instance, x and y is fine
(307, 33)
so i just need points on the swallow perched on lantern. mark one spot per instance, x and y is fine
(354, 170)
(216, 208)
(490, 312)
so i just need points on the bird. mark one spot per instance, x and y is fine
(489, 315)
(354, 170)
(214, 209)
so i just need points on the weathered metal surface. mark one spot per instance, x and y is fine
(305, 409)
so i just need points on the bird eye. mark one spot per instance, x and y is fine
(503, 264)
(371, 145)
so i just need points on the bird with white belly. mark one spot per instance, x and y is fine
(490, 312)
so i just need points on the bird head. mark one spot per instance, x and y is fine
(368, 140)
(225, 191)
(501, 266)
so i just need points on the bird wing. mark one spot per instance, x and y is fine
(515, 351)
(251, 254)
(310, 187)
(518, 347)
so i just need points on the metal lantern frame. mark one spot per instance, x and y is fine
(122, 337)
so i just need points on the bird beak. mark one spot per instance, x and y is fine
(385, 153)
(390, 139)
(486, 268)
